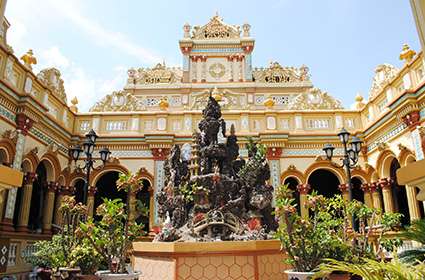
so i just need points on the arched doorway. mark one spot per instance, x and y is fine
(292, 183)
(399, 194)
(79, 190)
(357, 191)
(39, 187)
(143, 204)
(325, 182)
(106, 187)
(3, 157)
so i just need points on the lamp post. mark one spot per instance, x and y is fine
(351, 157)
(88, 149)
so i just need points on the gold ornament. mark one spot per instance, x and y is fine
(29, 59)
(269, 102)
(407, 54)
(217, 70)
(163, 104)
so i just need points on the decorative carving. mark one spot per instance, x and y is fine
(382, 146)
(217, 70)
(412, 119)
(274, 153)
(29, 59)
(315, 99)
(275, 73)
(216, 29)
(160, 153)
(407, 54)
(160, 74)
(303, 188)
(74, 103)
(226, 99)
(23, 123)
(118, 101)
(29, 178)
(384, 73)
(51, 77)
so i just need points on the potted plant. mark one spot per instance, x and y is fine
(87, 259)
(307, 241)
(113, 234)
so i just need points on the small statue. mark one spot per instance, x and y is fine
(29, 59)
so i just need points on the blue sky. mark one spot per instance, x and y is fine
(94, 42)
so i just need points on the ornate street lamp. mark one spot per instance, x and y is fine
(88, 149)
(351, 156)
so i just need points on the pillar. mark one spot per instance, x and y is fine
(303, 189)
(90, 201)
(273, 156)
(49, 202)
(26, 202)
(343, 188)
(376, 197)
(159, 157)
(131, 206)
(23, 125)
(413, 203)
(368, 200)
(385, 185)
(193, 69)
(203, 69)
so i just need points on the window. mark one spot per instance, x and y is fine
(84, 125)
(318, 124)
(116, 125)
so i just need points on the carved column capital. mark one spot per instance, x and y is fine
(185, 50)
(343, 188)
(412, 119)
(23, 123)
(248, 49)
(52, 186)
(366, 188)
(160, 153)
(273, 153)
(29, 178)
(303, 188)
(385, 183)
(92, 191)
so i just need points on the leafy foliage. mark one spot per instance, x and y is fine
(370, 269)
(416, 232)
(47, 253)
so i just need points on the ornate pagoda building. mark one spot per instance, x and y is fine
(161, 106)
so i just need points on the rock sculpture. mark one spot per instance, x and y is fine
(221, 198)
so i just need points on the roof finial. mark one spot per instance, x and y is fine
(407, 53)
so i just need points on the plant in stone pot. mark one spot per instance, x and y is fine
(113, 234)
(87, 259)
(306, 241)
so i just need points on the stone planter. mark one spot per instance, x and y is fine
(107, 275)
(339, 276)
(295, 275)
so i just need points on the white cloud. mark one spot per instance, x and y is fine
(101, 35)
(52, 57)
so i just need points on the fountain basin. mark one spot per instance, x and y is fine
(250, 260)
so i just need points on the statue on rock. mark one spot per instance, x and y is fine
(216, 196)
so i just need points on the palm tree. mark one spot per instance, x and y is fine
(374, 270)
(416, 232)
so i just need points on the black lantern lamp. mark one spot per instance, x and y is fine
(343, 135)
(88, 149)
(356, 144)
(329, 151)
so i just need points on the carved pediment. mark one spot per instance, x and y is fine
(315, 99)
(160, 74)
(216, 29)
(118, 101)
(275, 73)
(384, 73)
(224, 97)
(51, 77)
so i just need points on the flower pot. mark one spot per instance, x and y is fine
(107, 275)
(44, 274)
(87, 277)
(295, 275)
(339, 276)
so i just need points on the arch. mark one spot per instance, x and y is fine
(399, 193)
(61, 180)
(357, 192)
(106, 187)
(325, 164)
(361, 174)
(31, 160)
(143, 173)
(7, 145)
(55, 165)
(98, 172)
(78, 189)
(292, 171)
(292, 183)
(406, 156)
(324, 181)
(38, 197)
(50, 169)
(383, 163)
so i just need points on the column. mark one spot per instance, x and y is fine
(234, 67)
(193, 69)
(343, 188)
(23, 125)
(368, 200)
(273, 156)
(413, 203)
(239, 70)
(131, 206)
(90, 201)
(385, 185)
(204, 69)
(62, 191)
(26, 202)
(303, 189)
(49, 203)
(376, 197)
(230, 61)
(159, 156)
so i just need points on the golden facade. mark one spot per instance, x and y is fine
(161, 106)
